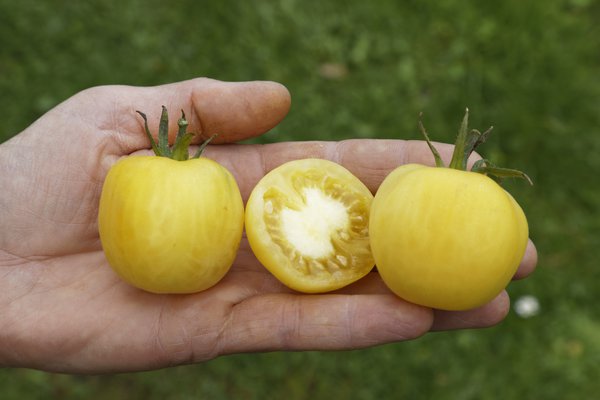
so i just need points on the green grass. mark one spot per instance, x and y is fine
(529, 68)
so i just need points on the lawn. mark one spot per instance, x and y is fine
(359, 69)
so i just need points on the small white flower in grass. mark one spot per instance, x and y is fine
(527, 306)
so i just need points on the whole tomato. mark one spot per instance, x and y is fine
(167, 223)
(448, 238)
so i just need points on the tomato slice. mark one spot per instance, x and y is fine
(307, 222)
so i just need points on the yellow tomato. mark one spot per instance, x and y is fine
(447, 238)
(170, 225)
(307, 223)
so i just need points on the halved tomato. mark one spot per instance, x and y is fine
(307, 222)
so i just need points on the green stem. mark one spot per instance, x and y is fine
(183, 140)
(180, 150)
(182, 124)
(466, 143)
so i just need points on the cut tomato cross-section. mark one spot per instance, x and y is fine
(307, 223)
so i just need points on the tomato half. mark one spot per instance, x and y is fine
(307, 222)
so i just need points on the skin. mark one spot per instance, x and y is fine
(63, 309)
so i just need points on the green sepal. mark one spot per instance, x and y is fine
(436, 155)
(148, 134)
(460, 144)
(203, 146)
(483, 166)
(180, 149)
(466, 143)
(163, 134)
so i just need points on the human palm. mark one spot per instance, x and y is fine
(63, 309)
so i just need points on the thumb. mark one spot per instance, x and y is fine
(233, 110)
(237, 111)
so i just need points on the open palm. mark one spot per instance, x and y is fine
(63, 309)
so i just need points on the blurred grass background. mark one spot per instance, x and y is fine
(364, 69)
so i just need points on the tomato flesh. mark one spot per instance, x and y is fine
(307, 222)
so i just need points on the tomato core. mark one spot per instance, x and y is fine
(309, 229)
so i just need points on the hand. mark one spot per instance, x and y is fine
(62, 308)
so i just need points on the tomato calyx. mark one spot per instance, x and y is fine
(466, 143)
(180, 149)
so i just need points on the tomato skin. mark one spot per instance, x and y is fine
(284, 185)
(170, 226)
(445, 238)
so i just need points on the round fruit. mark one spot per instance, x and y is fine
(447, 238)
(168, 225)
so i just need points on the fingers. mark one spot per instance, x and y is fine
(481, 317)
(528, 263)
(321, 322)
(238, 111)
(371, 160)
(233, 110)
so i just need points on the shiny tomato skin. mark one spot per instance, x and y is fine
(170, 226)
(336, 209)
(445, 238)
